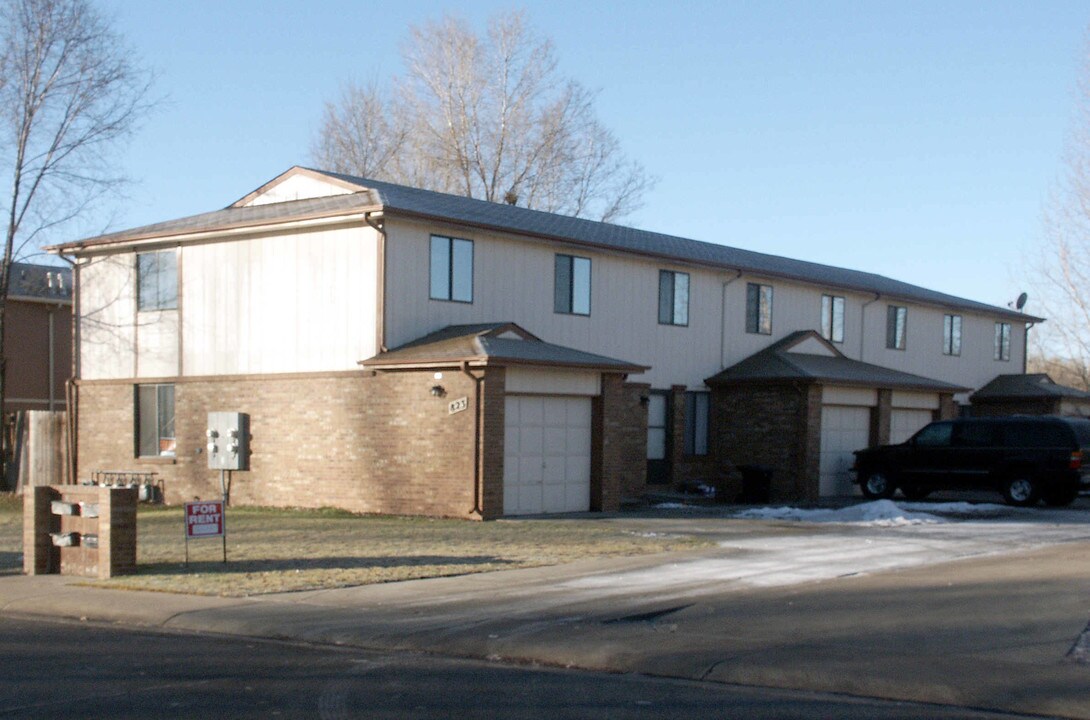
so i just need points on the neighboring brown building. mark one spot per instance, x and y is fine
(1034, 394)
(38, 337)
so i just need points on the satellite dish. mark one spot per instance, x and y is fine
(1021, 301)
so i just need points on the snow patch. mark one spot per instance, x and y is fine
(671, 506)
(879, 513)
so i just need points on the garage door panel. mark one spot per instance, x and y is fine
(844, 429)
(546, 454)
(905, 422)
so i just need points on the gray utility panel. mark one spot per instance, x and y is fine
(228, 441)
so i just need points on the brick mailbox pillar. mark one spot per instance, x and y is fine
(79, 530)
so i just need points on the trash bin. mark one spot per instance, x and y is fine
(756, 484)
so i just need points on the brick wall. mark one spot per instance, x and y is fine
(694, 467)
(618, 443)
(113, 525)
(777, 426)
(376, 444)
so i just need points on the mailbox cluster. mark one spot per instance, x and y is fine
(228, 441)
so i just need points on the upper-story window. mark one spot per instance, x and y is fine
(832, 318)
(157, 280)
(571, 291)
(673, 298)
(951, 335)
(1002, 341)
(451, 269)
(155, 421)
(896, 323)
(759, 309)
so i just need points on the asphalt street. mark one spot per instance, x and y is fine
(74, 670)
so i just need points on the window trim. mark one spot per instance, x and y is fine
(565, 304)
(951, 341)
(450, 284)
(1002, 342)
(829, 305)
(163, 454)
(673, 276)
(755, 292)
(157, 302)
(895, 314)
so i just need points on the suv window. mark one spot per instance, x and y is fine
(976, 434)
(1029, 434)
(934, 435)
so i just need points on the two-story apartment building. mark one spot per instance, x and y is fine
(401, 350)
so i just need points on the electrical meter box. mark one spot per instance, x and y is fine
(228, 438)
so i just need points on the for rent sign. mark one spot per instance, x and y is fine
(204, 519)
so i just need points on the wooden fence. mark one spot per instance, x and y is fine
(39, 450)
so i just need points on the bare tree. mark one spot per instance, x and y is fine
(485, 117)
(68, 93)
(1061, 269)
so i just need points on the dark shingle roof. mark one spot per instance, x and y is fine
(40, 282)
(1033, 385)
(483, 344)
(426, 204)
(778, 363)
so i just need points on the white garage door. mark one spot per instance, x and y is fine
(546, 455)
(844, 429)
(904, 423)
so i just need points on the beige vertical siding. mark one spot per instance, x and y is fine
(107, 323)
(302, 302)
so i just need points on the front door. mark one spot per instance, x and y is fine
(659, 414)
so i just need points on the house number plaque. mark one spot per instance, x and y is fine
(457, 406)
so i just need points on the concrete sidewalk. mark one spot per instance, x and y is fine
(990, 632)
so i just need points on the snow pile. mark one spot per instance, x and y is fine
(880, 513)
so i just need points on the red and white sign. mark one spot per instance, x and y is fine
(204, 519)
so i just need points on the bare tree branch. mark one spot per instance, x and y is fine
(485, 117)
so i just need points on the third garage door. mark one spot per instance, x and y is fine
(843, 429)
(546, 456)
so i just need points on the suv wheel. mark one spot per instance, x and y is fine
(1020, 490)
(877, 485)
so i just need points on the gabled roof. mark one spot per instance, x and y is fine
(1032, 385)
(499, 344)
(401, 200)
(784, 361)
(40, 282)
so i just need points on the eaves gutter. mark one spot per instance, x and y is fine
(971, 306)
(425, 364)
(227, 231)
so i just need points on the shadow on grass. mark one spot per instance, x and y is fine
(306, 564)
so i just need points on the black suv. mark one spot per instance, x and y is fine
(1025, 458)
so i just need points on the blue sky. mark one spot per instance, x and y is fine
(916, 140)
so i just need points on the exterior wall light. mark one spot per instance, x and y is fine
(438, 391)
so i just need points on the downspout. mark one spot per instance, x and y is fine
(71, 388)
(52, 350)
(723, 323)
(376, 220)
(477, 480)
(1025, 347)
(863, 324)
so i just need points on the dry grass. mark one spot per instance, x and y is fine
(275, 550)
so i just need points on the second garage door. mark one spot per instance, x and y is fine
(546, 455)
(844, 429)
(903, 423)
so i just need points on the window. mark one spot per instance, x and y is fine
(759, 309)
(157, 280)
(155, 421)
(451, 269)
(832, 318)
(896, 319)
(951, 335)
(696, 423)
(673, 298)
(571, 291)
(1002, 341)
(934, 435)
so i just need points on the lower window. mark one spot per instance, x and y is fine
(696, 423)
(155, 421)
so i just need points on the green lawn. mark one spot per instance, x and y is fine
(278, 550)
